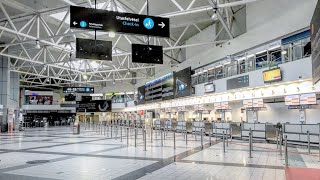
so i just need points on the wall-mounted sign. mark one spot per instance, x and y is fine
(239, 82)
(78, 90)
(272, 75)
(110, 21)
(247, 103)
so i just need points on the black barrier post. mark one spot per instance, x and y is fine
(250, 143)
(186, 137)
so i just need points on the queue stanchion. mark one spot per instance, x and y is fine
(308, 136)
(286, 151)
(277, 137)
(227, 138)
(104, 129)
(280, 145)
(250, 143)
(231, 136)
(135, 137)
(186, 137)
(161, 134)
(201, 138)
(174, 139)
(224, 142)
(111, 130)
(210, 133)
(127, 136)
(151, 134)
(215, 128)
(145, 139)
(120, 133)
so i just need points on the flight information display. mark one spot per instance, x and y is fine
(160, 89)
(110, 21)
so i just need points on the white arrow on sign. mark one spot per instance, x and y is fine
(75, 23)
(162, 25)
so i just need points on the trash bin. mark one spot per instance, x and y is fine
(76, 128)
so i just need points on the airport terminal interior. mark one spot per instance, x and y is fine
(159, 89)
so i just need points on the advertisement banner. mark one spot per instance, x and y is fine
(94, 106)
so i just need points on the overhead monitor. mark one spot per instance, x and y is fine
(238, 82)
(182, 80)
(111, 21)
(247, 103)
(272, 75)
(292, 100)
(308, 99)
(147, 54)
(258, 103)
(141, 95)
(209, 88)
(93, 49)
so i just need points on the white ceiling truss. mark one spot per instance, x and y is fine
(53, 64)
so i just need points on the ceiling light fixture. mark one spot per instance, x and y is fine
(85, 77)
(37, 44)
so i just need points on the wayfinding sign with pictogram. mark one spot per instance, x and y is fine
(110, 21)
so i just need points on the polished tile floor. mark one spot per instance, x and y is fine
(95, 155)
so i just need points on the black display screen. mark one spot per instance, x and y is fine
(93, 49)
(182, 85)
(141, 95)
(110, 21)
(147, 54)
(239, 82)
(86, 98)
(94, 106)
(315, 43)
(70, 97)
